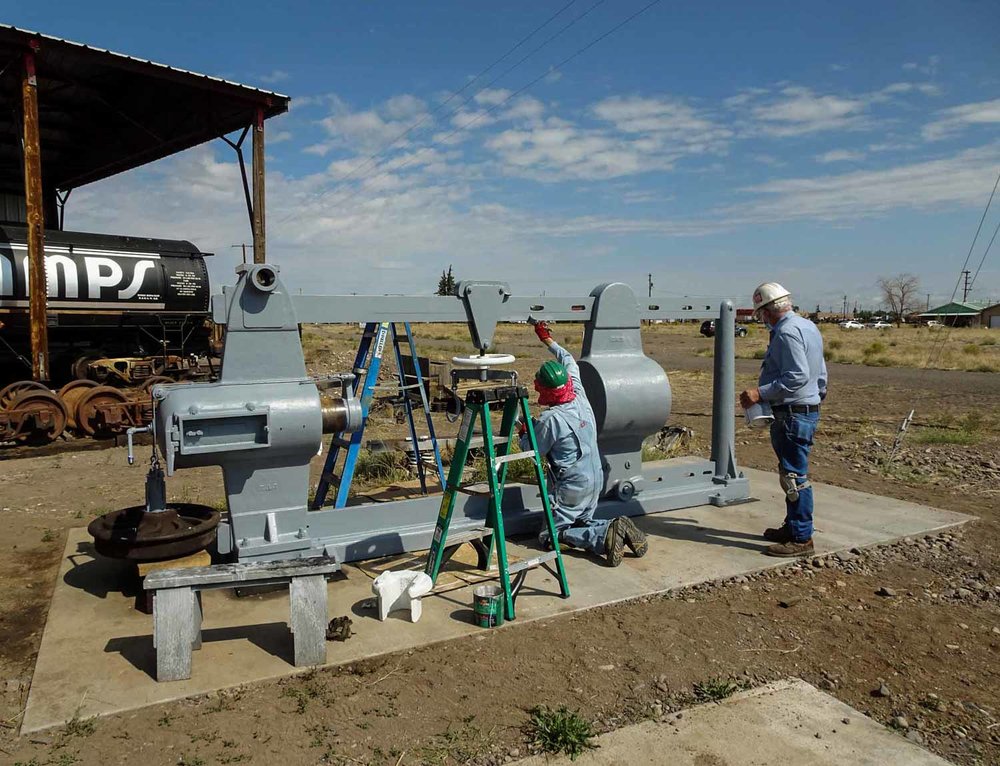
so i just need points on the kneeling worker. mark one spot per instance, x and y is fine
(566, 434)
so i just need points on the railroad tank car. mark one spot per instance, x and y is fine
(143, 302)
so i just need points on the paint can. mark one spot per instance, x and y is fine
(488, 606)
(759, 415)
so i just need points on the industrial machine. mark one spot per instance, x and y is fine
(263, 420)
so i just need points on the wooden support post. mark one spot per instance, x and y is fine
(37, 284)
(259, 248)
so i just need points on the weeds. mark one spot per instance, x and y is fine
(945, 436)
(970, 349)
(715, 689)
(560, 731)
(79, 727)
(48, 536)
(374, 468)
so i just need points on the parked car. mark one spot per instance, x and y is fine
(934, 323)
(850, 324)
(880, 325)
(708, 329)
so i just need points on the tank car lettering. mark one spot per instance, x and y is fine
(101, 273)
(138, 278)
(57, 266)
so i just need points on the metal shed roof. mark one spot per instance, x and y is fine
(957, 309)
(102, 112)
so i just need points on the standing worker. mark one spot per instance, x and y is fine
(566, 433)
(793, 382)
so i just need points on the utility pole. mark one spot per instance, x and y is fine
(965, 286)
(928, 302)
(650, 285)
(845, 307)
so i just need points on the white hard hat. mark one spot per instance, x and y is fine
(768, 293)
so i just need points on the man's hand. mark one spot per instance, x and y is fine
(750, 397)
(522, 428)
(543, 332)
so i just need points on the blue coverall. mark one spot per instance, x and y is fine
(794, 373)
(567, 435)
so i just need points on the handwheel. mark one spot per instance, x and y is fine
(483, 360)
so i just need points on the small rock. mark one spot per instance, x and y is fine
(41, 739)
(953, 647)
(996, 630)
(915, 736)
(900, 722)
(818, 563)
(818, 735)
(787, 603)
(513, 753)
(606, 668)
(887, 592)
(840, 583)
(963, 626)
(845, 720)
(882, 691)
(827, 685)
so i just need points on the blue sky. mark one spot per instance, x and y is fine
(818, 144)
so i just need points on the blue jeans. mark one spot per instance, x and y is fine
(792, 439)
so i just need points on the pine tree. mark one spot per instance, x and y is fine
(446, 284)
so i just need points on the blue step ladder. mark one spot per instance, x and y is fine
(367, 365)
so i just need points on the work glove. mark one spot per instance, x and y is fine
(522, 428)
(543, 332)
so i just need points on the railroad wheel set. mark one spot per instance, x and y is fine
(31, 413)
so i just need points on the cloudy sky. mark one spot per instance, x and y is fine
(818, 144)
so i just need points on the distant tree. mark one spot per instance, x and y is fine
(900, 293)
(446, 284)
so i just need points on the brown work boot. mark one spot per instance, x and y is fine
(635, 538)
(791, 549)
(782, 534)
(614, 543)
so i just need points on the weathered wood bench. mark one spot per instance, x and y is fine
(177, 610)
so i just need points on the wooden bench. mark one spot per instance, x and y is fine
(177, 610)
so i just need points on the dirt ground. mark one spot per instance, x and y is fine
(933, 645)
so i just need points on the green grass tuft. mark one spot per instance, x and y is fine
(715, 689)
(945, 436)
(374, 468)
(560, 731)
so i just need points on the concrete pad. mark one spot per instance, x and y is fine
(96, 655)
(777, 723)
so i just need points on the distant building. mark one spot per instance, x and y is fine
(990, 317)
(955, 314)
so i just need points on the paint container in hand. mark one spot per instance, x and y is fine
(488, 606)
(759, 415)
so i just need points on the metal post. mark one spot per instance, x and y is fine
(37, 285)
(723, 395)
(259, 252)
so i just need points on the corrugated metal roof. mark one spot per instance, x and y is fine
(101, 112)
(956, 308)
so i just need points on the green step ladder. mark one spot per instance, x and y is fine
(515, 402)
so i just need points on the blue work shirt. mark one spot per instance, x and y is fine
(794, 371)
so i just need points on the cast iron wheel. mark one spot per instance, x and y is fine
(11, 392)
(155, 380)
(87, 410)
(51, 417)
(71, 394)
(134, 534)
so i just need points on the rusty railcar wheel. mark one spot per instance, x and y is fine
(71, 394)
(42, 413)
(155, 380)
(9, 393)
(134, 534)
(100, 411)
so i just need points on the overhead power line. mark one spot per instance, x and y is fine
(372, 159)
(487, 112)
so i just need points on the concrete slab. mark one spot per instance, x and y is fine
(96, 655)
(783, 722)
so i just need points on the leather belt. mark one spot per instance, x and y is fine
(800, 408)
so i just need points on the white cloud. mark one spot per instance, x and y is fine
(371, 129)
(958, 118)
(962, 179)
(798, 110)
(492, 96)
(275, 76)
(840, 155)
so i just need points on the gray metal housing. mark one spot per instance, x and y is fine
(261, 421)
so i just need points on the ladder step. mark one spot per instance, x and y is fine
(331, 478)
(469, 489)
(468, 535)
(532, 562)
(336, 441)
(529, 455)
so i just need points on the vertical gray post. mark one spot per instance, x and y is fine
(723, 395)
(173, 631)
